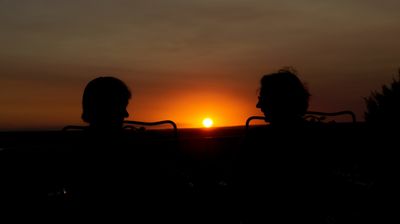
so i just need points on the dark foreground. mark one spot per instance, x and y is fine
(336, 174)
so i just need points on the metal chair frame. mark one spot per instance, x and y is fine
(316, 115)
(129, 124)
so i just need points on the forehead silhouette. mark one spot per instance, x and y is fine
(105, 89)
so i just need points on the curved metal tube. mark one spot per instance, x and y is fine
(154, 124)
(345, 112)
(253, 118)
(76, 127)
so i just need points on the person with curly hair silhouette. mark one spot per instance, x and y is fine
(272, 179)
(283, 98)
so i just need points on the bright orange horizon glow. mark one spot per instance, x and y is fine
(190, 109)
(208, 122)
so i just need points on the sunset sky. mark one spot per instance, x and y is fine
(186, 60)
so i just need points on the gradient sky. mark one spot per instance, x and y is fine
(185, 60)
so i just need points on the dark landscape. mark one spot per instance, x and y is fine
(343, 173)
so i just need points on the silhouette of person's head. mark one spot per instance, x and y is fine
(104, 103)
(283, 98)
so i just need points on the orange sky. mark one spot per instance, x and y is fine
(185, 60)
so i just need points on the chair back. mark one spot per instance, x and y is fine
(130, 124)
(314, 116)
(142, 125)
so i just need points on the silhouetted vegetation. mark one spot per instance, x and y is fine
(384, 107)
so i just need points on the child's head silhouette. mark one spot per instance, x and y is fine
(104, 103)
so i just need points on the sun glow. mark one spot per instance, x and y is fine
(208, 122)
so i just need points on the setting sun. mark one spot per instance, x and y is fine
(207, 122)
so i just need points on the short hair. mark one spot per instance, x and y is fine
(287, 88)
(102, 93)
